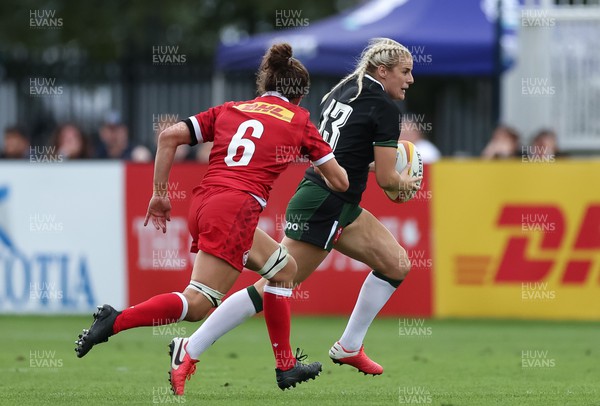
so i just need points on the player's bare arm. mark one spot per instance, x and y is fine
(159, 208)
(334, 175)
(387, 176)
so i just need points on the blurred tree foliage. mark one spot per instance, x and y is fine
(95, 31)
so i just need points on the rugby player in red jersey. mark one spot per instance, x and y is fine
(361, 122)
(249, 138)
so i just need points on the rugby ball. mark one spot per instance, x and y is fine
(407, 154)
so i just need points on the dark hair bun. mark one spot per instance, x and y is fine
(281, 73)
(278, 56)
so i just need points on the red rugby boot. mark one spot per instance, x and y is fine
(182, 366)
(357, 359)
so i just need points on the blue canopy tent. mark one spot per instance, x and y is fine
(445, 38)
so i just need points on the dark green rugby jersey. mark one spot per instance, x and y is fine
(353, 128)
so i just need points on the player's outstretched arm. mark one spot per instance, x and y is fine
(334, 175)
(387, 176)
(159, 208)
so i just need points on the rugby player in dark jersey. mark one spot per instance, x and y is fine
(361, 123)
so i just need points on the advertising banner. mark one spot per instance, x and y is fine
(160, 262)
(517, 239)
(62, 247)
(157, 262)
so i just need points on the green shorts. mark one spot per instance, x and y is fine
(316, 216)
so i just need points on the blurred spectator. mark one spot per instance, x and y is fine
(69, 142)
(203, 152)
(544, 145)
(130, 151)
(16, 144)
(183, 152)
(411, 131)
(141, 154)
(505, 143)
(115, 142)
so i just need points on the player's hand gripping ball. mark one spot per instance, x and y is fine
(407, 154)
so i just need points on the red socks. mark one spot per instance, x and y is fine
(276, 303)
(156, 311)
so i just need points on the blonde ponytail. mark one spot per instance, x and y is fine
(380, 51)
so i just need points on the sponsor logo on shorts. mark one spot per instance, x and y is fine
(338, 234)
(296, 226)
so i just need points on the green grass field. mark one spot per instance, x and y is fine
(443, 363)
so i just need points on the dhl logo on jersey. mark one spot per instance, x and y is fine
(272, 110)
(530, 259)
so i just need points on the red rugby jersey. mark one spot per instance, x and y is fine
(255, 140)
